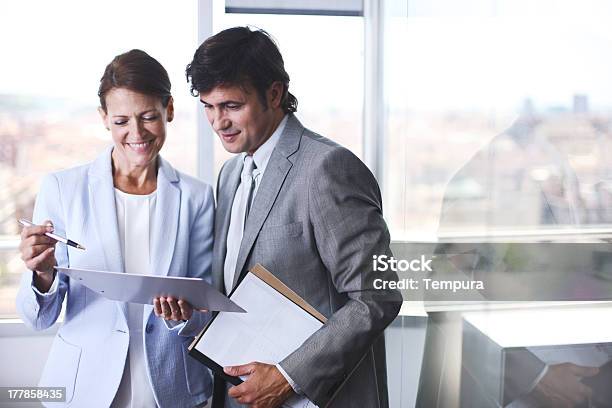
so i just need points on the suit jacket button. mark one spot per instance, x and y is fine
(149, 328)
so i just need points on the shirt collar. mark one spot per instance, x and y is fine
(263, 153)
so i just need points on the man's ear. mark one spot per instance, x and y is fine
(104, 117)
(275, 94)
(170, 110)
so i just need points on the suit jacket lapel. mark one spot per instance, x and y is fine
(102, 201)
(275, 174)
(225, 198)
(166, 219)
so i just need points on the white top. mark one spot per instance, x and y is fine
(135, 218)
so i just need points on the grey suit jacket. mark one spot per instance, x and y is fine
(315, 223)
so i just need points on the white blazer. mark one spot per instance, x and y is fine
(89, 352)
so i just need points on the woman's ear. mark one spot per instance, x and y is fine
(104, 117)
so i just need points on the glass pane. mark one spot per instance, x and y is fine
(498, 116)
(498, 126)
(55, 57)
(326, 70)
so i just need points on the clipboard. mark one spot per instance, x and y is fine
(142, 289)
(284, 296)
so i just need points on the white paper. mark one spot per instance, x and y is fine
(272, 328)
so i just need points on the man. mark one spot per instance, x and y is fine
(310, 212)
(532, 185)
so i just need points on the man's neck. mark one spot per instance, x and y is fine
(278, 118)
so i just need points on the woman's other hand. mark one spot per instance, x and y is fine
(38, 254)
(170, 308)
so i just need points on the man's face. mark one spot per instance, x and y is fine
(239, 118)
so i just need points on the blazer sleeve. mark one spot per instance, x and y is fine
(40, 311)
(200, 258)
(346, 213)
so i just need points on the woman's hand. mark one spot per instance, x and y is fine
(38, 254)
(171, 309)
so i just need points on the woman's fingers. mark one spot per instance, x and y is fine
(171, 309)
(37, 250)
(43, 261)
(165, 307)
(175, 310)
(157, 307)
(186, 309)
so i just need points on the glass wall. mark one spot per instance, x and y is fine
(499, 115)
(324, 58)
(499, 136)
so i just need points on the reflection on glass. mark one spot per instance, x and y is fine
(499, 122)
(475, 91)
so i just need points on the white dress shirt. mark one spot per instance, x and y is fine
(135, 218)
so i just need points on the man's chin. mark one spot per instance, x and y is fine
(232, 148)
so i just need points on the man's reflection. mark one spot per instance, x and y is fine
(526, 179)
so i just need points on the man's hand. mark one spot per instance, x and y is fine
(561, 386)
(265, 388)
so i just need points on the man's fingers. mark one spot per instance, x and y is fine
(238, 392)
(586, 391)
(582, 371)
(245, 369)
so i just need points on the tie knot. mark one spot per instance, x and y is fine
(249, 166)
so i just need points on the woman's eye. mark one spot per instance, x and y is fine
(120, 122)
(150, 117)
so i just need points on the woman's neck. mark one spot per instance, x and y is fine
(136, 180)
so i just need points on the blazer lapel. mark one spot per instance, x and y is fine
(225, 200)
(102, 201)
(166, 219)
(275, 174)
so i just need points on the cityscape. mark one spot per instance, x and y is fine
(469, 162)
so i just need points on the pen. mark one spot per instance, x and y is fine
(66, 241)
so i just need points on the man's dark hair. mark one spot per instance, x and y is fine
(240, 56)
(137, 71)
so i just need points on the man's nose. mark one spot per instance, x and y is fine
(220, 121)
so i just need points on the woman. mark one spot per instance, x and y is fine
(134, 213)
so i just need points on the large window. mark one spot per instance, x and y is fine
(498, 128)
(323, 55)
(498, 115)
(54, 54)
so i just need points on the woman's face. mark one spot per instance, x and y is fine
(138, 126)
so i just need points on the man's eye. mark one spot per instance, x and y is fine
(232, 106)
(150, 117)
(120, 122)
